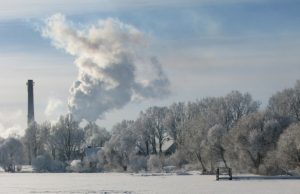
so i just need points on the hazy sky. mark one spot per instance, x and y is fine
(206, 48)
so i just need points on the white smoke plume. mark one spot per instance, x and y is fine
(55, 107)
(110, 58)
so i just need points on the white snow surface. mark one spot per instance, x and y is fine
(138, 183)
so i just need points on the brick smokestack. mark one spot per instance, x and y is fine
(30, 115)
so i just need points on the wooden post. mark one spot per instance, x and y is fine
(230, 174)
(217, 174)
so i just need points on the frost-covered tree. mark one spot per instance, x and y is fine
(122, 144)
(195, 142)
(149, 130)
(44, 131)
(156, 116)
(174, 121)
(68, 138)
(31, 141)
(288, 149)
(215, 137)
(11, 154)
(36, 140)
(239, 105)
(226, 111)
(94, 135)
(143, 134)
(207, 123)
(286, 104)
(252, 138)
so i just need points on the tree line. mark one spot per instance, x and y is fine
(232, 131)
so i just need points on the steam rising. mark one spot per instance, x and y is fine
(110, 60)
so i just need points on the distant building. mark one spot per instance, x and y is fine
(168, 147)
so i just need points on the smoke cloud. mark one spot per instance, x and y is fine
(113, 67)
(55, 107)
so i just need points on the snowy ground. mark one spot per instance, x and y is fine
(139, 183)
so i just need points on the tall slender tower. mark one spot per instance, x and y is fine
(30, 115)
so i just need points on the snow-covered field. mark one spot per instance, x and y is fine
(138, 183)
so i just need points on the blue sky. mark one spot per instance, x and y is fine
(207, 48)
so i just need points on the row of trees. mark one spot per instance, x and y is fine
(199, 131)
(53, 145)
(231, 130)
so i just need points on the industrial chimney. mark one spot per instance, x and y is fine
(30, 115)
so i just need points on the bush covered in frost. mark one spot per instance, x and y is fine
(138, 163)
(155, 163)
(44, 163)
(75, 166)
